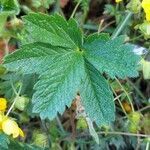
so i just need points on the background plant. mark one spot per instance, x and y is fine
(132, 117)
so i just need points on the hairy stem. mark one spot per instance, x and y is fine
(75, 9)
(122, 25)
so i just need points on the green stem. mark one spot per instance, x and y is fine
(60, 125)
(118, 133)
(126, 94)
(136, 38)
(120, 102)
(6, 47)
(138, 91)
(122, 25)
(75, 9)
(84, 16)
(12, 85)
(144, 108)
(47, 132)
(147, 145)
(57, 6)
(100, 26)
(17, 95)
(125, 133)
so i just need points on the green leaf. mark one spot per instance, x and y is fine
(46, 3)
(111, 56)
(4, 141)
(58, 86)
(55, 49)
(96, 96)
(15, 79)
(34, 58)
(7, 8)
(10, 5)
(16, 145)
(84, 4)
(103, 37)
(51, 29)
(3, 18)
(60, 68)
(146, 69)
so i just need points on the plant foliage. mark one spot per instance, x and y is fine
(69, 63)
(4, 141)
(7, 8)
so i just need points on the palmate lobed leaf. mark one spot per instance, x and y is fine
(53, 30)
(34, 57)
(58, 86)
(67, 64)
(111, 56)
(96, 96)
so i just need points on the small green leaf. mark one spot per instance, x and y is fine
(146, 68)
(17, 78)
(3, 18)
(10, 5)
(7, 8)
(4, 141)
(16, 145)
(112, 56)
(46, 3)
(84, 4)
(96, 96)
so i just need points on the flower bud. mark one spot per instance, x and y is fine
(21, 103)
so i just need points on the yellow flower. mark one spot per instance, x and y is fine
(3, 104)
(10, 127)
(146, 7)
(7, 125)
(1, 119)
(146, 4)
(148, 16)
(117, 1)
